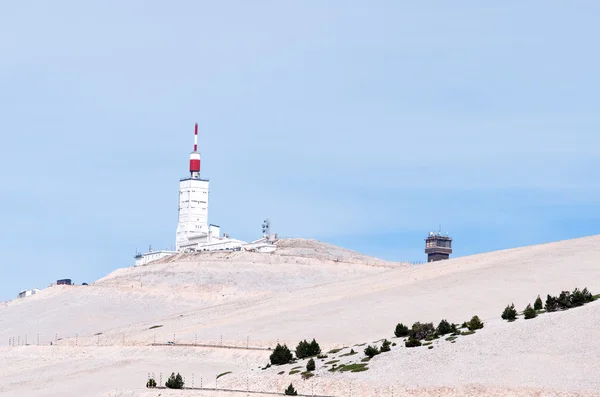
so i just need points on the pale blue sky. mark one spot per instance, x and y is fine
(362, 123)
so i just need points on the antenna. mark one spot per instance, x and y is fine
(266, 228)
(195, 156)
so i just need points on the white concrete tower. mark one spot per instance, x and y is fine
(192, 227)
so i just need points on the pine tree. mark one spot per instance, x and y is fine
(385, 346)
(538, 305)
(412, 342)
(174, 382)
(310, 366)
(371, 351)
(290, 391)
(510, 313)
(551, 304)
(529, 312)
(401, 330)
(422, 330)
(474, 324)
(151, 383)
(444, 327)
(302, 350)
(281, 355)
(587, 295)
(314, 349)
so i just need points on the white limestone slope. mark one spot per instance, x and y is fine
(304, 290)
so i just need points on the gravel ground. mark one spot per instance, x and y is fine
(310, 290)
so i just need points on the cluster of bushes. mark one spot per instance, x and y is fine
(372, 351)
(305, 349)
(174, 381)
(427, 331)
(282, 354)
(566, 300)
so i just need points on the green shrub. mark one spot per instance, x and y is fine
(174, 382)
(151, 383)
(567, 300)
(401, 330)
(551, 304)
(371, 351)
(587, 295)
(412, 342)
(474, 324)
(510, 313)
(310, 366)
(385, 346)
(281, 355)
(444, 327)
(538, 305)
(529, 312)
(290, 391)
(422, 330)
(305, 349)
(564, 300)
(577, 297)
(464, 325)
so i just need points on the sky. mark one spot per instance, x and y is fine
(365, 124)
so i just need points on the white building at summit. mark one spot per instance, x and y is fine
(194, 233)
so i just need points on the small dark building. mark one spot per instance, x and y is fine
(438, 247)
(64, 281)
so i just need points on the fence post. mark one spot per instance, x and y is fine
(38, 339)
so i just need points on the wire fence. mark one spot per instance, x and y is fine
(311, 385)
(156, 340)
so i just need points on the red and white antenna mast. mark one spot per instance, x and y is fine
(195, 156)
